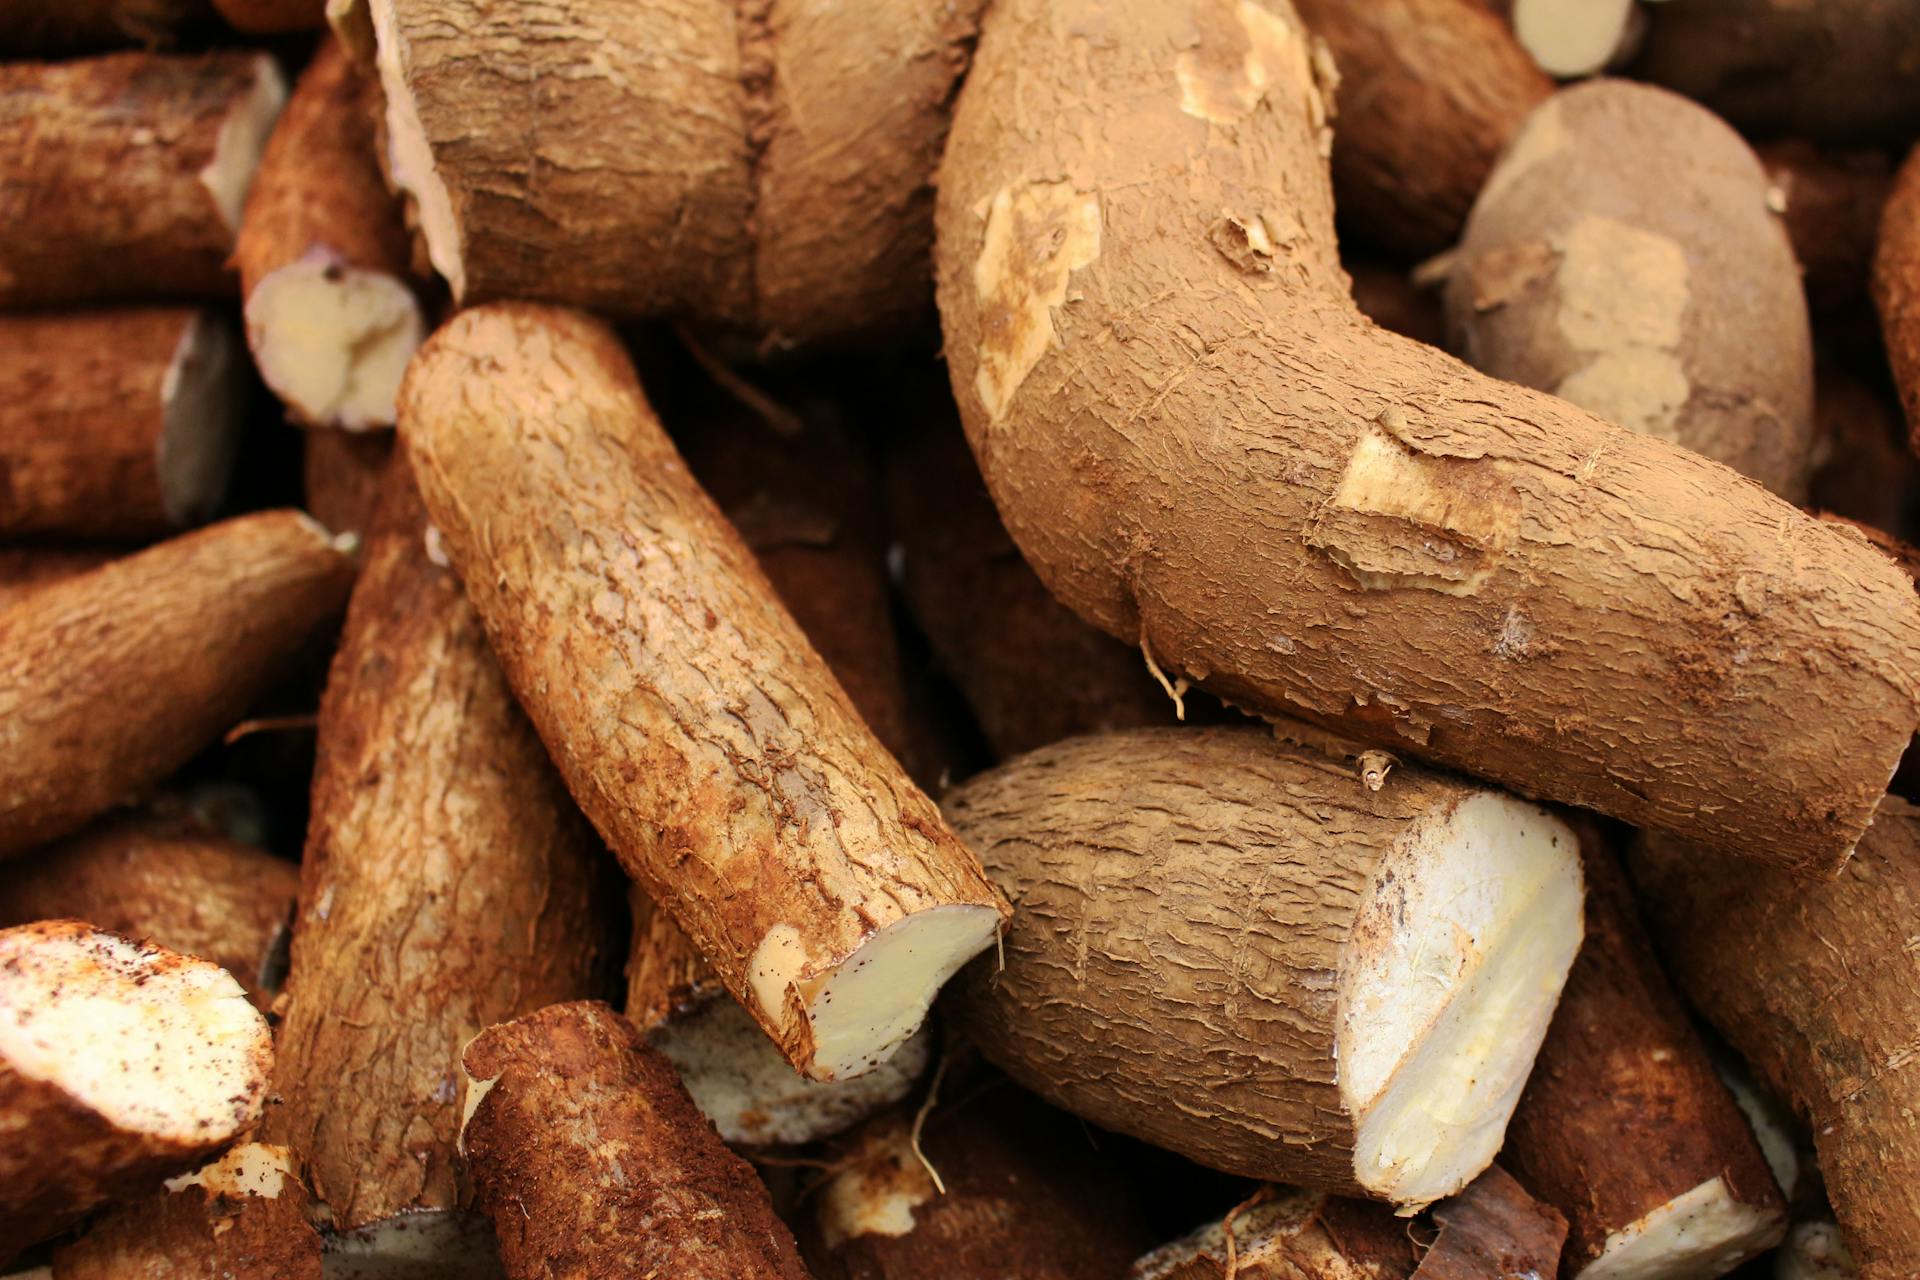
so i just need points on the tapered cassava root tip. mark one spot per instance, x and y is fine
(333, 340)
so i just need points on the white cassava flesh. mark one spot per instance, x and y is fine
(410, 157)
(1576, 37)
(333, 340)
(203, 403)
(243, 136)
(1706, 1232)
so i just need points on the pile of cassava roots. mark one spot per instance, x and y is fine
(959, 639)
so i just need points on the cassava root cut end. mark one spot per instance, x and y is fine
(120, 1063)
(333, 339)
(1570, 38)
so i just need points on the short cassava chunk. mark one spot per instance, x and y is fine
(118, 423)
(1622, 256)
(112, 679)
(121, 1063)
(692, 720)
(594, 1164)
(1240, 950)
(323, 256)
(1201, 446)
(448, 884)
(1818, 987)
(788, 153)
(124, 176)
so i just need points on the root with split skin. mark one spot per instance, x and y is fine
(1234, 948)
(121, 1063)
(1362, 530)
(679, 698)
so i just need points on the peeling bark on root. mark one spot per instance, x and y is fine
(691, 718)
(1830, 202)
(1290, 1235)
(1360, 530)
(341, 476)
(323, 255)
(112, 679)
(124, 176)
(1625, 1125)
(244, 1217)
(1622, 255)
(1430, 92)
(1236, 949)
(1896, 288)
(594, 1164)
(448, 884)
(168, 880)
(118, 423)
(1818, 987)
(37, 29)
(121, 1063)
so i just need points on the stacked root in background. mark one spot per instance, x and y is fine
(1028, 638)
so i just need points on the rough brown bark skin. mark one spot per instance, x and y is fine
(112, 679)
(219, 1228)
(1028, 1195)
(1622, 255)
(273, 17)
(22, 569)
(1430, 93)
(1493, 1230)
(1624, 1111)
(666, 973)
(1816, 986)
(1099, 843)
(83, 420)
(1896, 288)
(93, 211)
(168, 879)
(1290, 1235)
(692, 720)
(36, 29)
(62, 1157)
(1830, 202)
(448, 884)
(1358, 529)
(594, 1165)
(1031, 672)
(341, 476)
(1841, 70)
(790, 148)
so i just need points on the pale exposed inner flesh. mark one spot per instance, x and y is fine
(1814, 1251)
(410, 156)
(740, 1081)
(251, 1169)
(243, 136)
(203, 405)
(1704, 1232)
(1572, 37)
(152, 1042)
(333, 340)
(439, 1244)
(1457, 961)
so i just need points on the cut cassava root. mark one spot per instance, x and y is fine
(121, 1063)
(593, 1162)
(119, 423)
(112, 679)
(323, 255)
(1363, 531)
(125, 175)
(690, 717)
(1237, 949)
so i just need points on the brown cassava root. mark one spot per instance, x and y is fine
(272, 17)
(1289, 1234)
(22, 569)
(112, 679)
(1830, 203)
(593, 1162)
(692, 720)
(1361, 530)
(34, 28)
(341, 473)
(1896, 287)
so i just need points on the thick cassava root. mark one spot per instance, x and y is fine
(1622, 256)
(323, 255)
(1815, 985)
(119, 423)
(112, 679)
(124, 176)
(23, 569)
(1240, 950)
(1360, 530)
(690, 717)
(121, 1063)
(448, 884)
(594, 1164)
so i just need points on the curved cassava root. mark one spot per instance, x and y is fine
(121, 1063)
(1242, 951)
(1622, 256)
(789, 150)
(1202, 447)
(690, 717)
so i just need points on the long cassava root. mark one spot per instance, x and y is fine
(1360, 530)
(690, 717)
